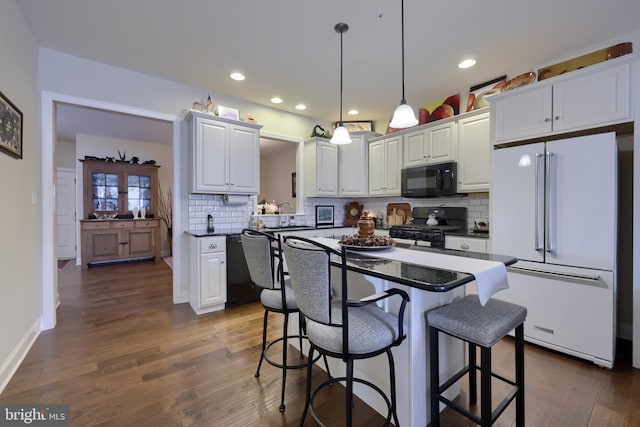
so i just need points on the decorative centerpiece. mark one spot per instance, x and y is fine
(366, 225)
(366, 239)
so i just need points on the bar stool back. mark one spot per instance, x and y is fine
(482, 326)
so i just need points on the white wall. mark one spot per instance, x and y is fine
(91, 145)
(20, 260)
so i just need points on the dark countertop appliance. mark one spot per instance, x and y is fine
(240, 288)
(429, 180)
(449, 219)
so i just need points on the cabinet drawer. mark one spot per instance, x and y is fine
(465, 244)
(145, 223)
(97, 225)
(212, 244)
(122, 224)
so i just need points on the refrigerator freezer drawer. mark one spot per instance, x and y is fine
(573, 315)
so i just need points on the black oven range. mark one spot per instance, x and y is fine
(430, 224)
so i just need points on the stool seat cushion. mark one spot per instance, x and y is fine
(469, 320)
(370, 329)
(272, 298)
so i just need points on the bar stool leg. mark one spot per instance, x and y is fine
(349, 403)
(308, 392)
(485, 387)
(264, 341)
(520, 375)
(284, 358)
(392, 378)
(473, 368)
(434, 363)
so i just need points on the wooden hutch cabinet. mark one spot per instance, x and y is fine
(112, 192)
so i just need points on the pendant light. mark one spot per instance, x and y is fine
(403, 116)
(341, 134)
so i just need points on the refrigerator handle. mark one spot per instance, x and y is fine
(537, 204)
(550, 208)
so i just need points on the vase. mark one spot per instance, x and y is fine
(366, 225)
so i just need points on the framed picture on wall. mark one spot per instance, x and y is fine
(324, 216)
(10, 128)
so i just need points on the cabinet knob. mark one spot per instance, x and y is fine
(547, 120)
(557, 117)
(213, 246)
(464, 246)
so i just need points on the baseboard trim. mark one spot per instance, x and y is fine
(11, 365)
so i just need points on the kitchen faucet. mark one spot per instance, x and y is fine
(284, 221)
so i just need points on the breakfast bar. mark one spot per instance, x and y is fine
(432, 278)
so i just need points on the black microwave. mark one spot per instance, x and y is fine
(430, 180)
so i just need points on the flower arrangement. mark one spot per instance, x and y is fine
(267, 208)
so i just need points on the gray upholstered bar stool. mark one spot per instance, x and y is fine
(263, 253)
(482, 326)
(338, 327)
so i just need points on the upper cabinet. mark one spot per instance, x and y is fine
(353, 165)
(474, 163)
(320, 168)
(385, 163)
(578, 100)
(433, 144)
(225, 155)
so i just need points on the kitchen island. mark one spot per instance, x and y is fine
(432, 278)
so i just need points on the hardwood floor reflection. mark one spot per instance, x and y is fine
(123, 354)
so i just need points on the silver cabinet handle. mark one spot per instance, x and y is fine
(213, 246)
(464, 246)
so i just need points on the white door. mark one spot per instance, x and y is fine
(66, 213)
(517, 211)
(582, 201)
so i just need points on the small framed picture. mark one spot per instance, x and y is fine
(355, 126)
(10, 128)
(324, 216)
(228, 113)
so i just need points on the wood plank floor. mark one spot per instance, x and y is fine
(124, 355)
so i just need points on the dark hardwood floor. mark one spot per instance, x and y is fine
(123, 355)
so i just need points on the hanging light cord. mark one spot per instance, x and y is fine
(404, 101)
(342, 30)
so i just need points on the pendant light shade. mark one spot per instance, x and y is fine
(403, 116)
(341, 134)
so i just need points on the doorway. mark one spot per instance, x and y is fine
(49, 254)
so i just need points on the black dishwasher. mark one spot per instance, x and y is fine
(240, 289)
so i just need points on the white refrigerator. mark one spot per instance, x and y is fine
(554, 207)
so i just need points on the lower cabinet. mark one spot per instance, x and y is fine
(463, 243)
(119, 240)
(208, 274)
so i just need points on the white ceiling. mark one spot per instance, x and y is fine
(289, 47)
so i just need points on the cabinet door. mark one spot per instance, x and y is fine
(474, 163)
(376, 168)
(353, 167)
(142, 242)
(210, 158)
(393, 165)
(105, 245)
(415, 148)
(213, 279)
(593, 99)
(524, 114)
(441, 143)
(327, 169)
(244, 160)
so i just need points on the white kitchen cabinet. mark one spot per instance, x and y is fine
(385, 157)
(225, 155)
(474, 147)
(353, 164)
(208, 274)
(320, 168)
(465, 243)
(591, 97)
(432, 144)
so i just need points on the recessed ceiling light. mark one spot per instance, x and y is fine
(237, 76)
(467, 63)
(301, 107)
(353, 112)
(276, 100)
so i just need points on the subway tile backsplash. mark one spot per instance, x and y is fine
(234, 218)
